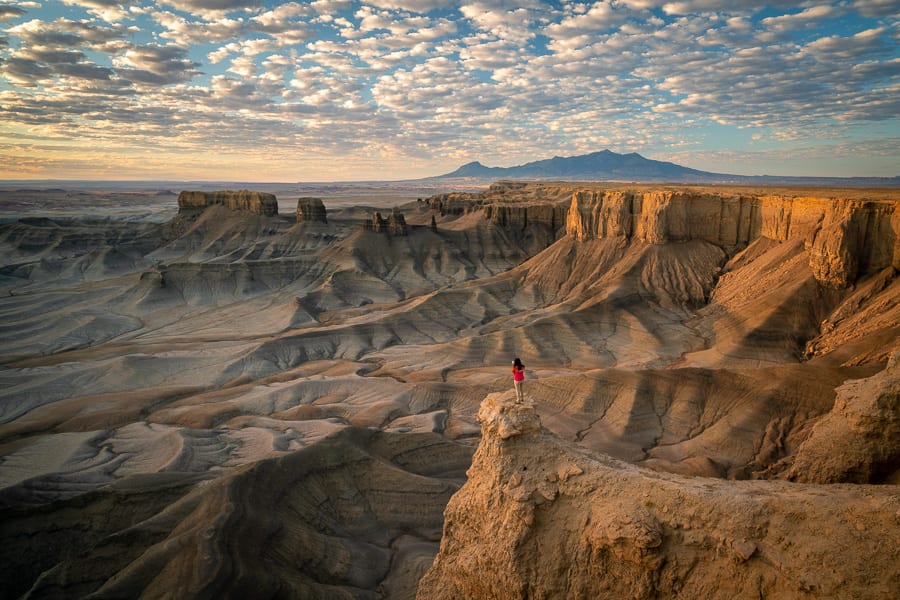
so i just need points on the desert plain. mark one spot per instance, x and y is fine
(249, 396)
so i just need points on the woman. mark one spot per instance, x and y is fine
(518, 379)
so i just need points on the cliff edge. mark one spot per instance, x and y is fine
(843, 237)
(543, 518)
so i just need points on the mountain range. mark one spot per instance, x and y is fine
(608, 165)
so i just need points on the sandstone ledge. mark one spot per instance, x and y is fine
(543, 518)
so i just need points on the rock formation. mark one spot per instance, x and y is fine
(258, 203)
(859, 440)
(843, 237)
(394, 225)
(311, 210)
(543, 518)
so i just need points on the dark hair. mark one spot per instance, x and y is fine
(518, 364)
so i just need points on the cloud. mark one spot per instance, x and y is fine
(213, 8)
(416, 6)
(64, 33)
(876, 8)
(600, 16)
(184, 31)
(25, 71)
(108, 10)
(688, 7)
(156, 64)
(494, 17)
(52, 50)
(8, 12)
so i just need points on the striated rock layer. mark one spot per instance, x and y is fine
(259, 203)
(843, 237)
(543, 518)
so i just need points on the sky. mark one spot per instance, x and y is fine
(334, 90)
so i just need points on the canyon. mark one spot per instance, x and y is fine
(240, 399)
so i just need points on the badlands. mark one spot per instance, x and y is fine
(239, 402)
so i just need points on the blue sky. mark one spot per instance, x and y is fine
(390, 89)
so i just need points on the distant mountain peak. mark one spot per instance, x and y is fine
(599, 165)
(606, 165)
(474, 169)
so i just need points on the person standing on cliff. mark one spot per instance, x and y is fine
(518, 370)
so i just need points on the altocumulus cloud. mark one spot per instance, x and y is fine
(331, 89)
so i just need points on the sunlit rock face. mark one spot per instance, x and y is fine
(259, 203)
(843, 237)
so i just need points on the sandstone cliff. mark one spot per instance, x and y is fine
(843, 237)
(259, 203)
(543, 518)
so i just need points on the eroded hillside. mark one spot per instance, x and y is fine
(698, 331)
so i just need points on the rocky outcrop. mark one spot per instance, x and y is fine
(394, 225)
(543, 518)
(311, 210)
(844, 238)
(859, 440)
(258, 203)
